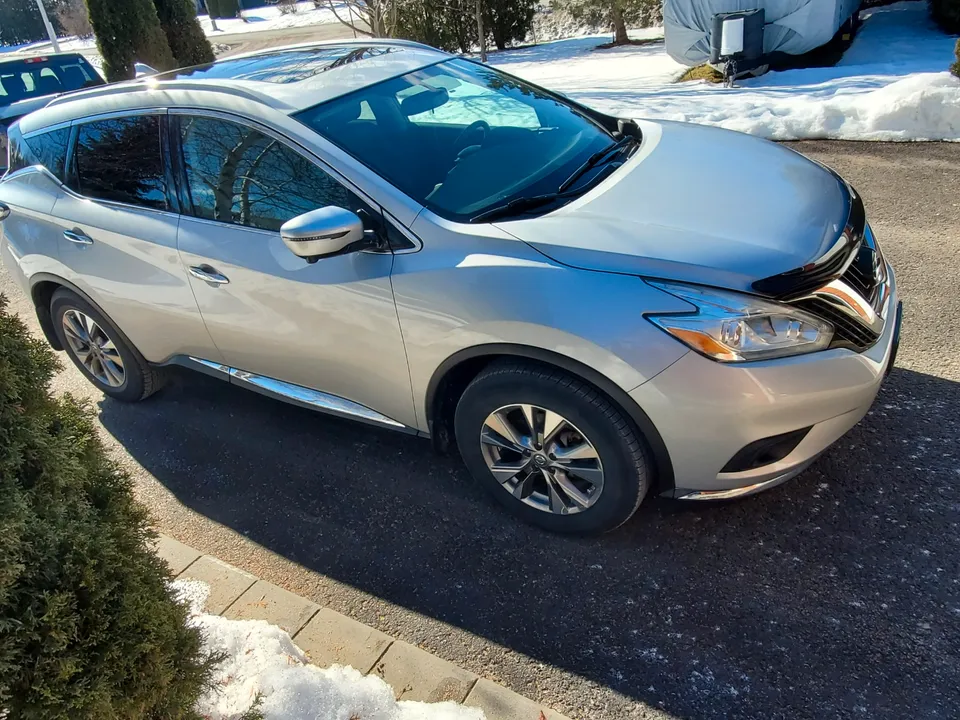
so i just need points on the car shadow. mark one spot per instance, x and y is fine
(833, 595)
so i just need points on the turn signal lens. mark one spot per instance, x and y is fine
(733, 327)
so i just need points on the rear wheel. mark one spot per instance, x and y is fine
(99, 351)
(551, 448)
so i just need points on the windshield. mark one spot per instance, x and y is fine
(461, 138)
(36, 77)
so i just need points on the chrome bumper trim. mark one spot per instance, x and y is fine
(739, 492)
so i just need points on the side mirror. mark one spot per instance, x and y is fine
(144, 70)
(322, 233)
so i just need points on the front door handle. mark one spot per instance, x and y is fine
(78, 237)
(208, 274)
(4, 211)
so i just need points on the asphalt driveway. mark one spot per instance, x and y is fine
(836, 595)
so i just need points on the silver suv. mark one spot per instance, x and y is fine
(387, 233)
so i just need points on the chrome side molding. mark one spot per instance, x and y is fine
(294, 394)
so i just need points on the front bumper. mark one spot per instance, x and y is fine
(707, 411)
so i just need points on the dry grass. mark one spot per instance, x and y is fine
(701, 72)
(631, 41)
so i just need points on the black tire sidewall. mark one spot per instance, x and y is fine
(133, 364)
(623, 486)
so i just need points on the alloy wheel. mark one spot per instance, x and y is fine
(93, 348)
(542, 459)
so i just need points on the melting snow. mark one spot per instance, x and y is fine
(891, 84)
(263, 660)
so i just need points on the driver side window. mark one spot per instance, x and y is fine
(238, 175)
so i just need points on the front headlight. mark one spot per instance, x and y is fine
(733, 327)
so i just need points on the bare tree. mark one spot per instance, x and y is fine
(375, 18)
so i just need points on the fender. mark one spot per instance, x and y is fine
(661, 457)
(42, 306)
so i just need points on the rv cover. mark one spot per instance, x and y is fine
(793, 26)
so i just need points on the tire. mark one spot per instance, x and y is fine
(138, 381)
(590, 419)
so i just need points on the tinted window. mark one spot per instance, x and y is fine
(238, 175)
(48, 149)
(462, 138)
(120, 160)
(36, 77)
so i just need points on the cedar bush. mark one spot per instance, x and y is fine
(88, 629)
(955, 68)
(189, 45)
(129, 31)
(946, 13)
(508, 20)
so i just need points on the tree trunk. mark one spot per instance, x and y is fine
(480, 32)
(620, 36)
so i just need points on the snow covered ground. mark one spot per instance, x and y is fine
(891, 84)
(270, 18)
(263, 660)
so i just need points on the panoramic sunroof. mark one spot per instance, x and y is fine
(284, 66)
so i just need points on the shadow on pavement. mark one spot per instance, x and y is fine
(833, 595)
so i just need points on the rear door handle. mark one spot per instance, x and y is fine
(208, 274)
(78, 237)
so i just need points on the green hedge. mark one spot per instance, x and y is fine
(946, 13)
(88, 630)
(129, 31)
(189, 45)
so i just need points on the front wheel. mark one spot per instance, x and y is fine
(551, 448)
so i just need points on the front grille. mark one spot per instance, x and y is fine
(865, 274)
(848, 333)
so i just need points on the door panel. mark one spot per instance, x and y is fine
(119, 242)
(132, 271)
(330, 325)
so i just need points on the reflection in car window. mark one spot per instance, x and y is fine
(469, 102)
(120, 160)
(238, 175)
(48, 149)
(460, 137)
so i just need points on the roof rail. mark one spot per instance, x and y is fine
(361, 42)
(146, 84)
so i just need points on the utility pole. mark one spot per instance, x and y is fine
(480, 33)
(46, 23)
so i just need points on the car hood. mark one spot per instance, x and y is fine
(699, 204)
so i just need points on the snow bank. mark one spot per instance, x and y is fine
(262, 659)
(891, 84)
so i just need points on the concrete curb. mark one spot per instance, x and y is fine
(327, 637)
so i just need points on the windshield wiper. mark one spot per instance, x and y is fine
(515, 206)
(523, 204)
(595, 159)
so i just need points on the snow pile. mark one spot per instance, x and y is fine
(263, 660)
(270, 18)
(891, 84)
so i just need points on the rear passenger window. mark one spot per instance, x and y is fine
(48, 149)
(120, 160)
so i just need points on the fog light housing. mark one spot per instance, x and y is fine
(766, 451)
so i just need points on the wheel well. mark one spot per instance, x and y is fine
(41, 293)
(453, 377)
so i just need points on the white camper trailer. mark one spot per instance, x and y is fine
(792, 27)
